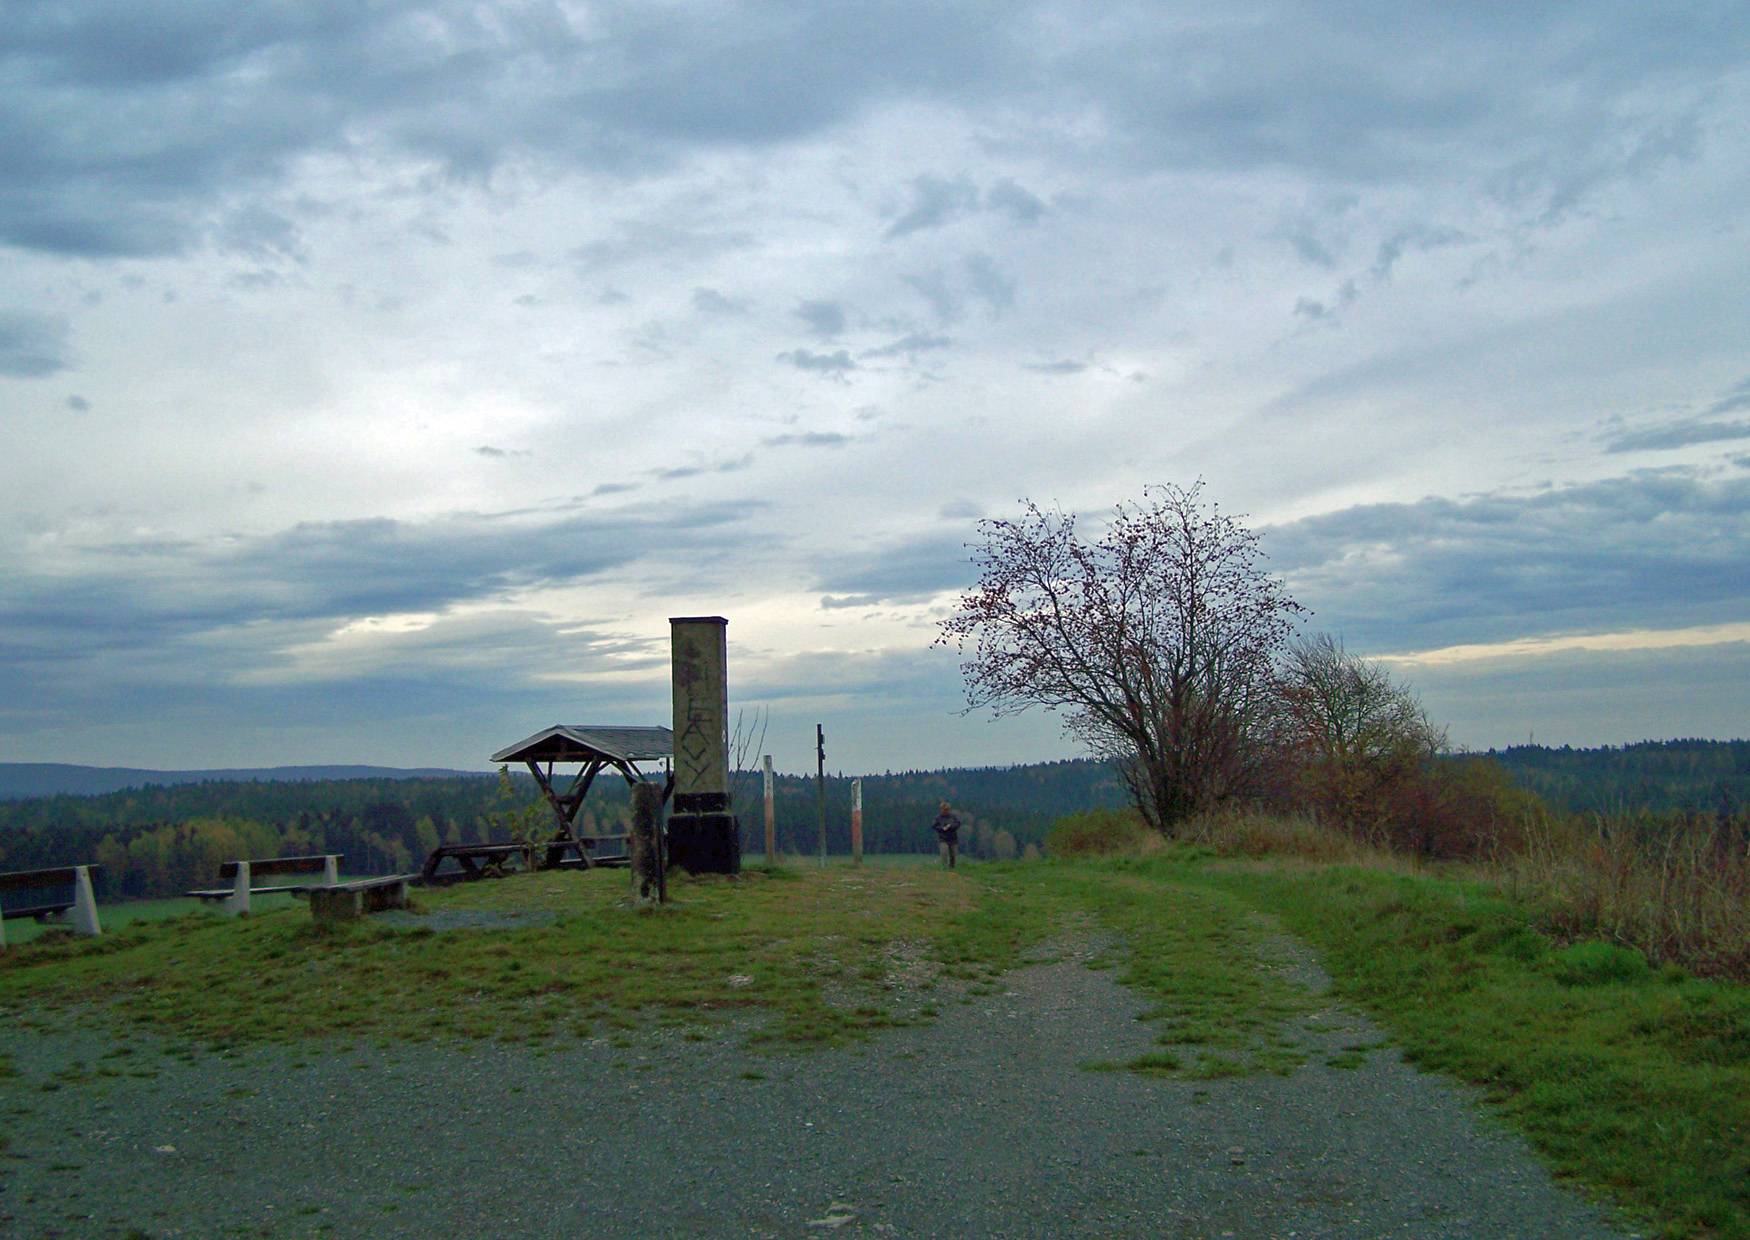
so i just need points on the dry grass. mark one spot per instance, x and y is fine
(1674, 887)
(1256, 834)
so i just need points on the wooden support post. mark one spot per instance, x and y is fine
(645, 845)
(820, 784)
(856, 822)
(771, 818)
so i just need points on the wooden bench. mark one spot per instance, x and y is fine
(243, 874)
(343, 901)
(60, 896)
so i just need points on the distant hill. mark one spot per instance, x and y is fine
(1693, 775)
(19, 780)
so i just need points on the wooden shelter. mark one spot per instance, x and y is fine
(595, 747)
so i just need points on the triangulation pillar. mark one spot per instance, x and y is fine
(703, 836)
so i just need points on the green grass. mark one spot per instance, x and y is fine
(787, 947)
(1220, 1004)
(1630, 1080)
(114, 915)
(1627, 1079)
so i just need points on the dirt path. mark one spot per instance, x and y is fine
(980, 1125)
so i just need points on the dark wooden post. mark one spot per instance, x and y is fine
(645, 844)
(820, 784)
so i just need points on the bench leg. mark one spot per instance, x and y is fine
(331, 869)
(2, 932)
(390, 895)
(238, 900)
(84, 904)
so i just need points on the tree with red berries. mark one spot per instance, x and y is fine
(1156, 641)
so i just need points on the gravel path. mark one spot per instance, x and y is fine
(979, 1125)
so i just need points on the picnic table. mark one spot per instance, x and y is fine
(474, 861)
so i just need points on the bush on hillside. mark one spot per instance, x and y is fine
(1100, 833)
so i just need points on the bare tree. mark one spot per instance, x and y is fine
(1349, 731)
(1156, 641)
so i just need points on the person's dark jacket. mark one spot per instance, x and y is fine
(946, 827)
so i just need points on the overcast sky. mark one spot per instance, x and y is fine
(376, 380)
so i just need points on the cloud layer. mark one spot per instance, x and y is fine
(403, 353)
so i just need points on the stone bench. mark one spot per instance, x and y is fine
(60, 896)
(344, 901)
(243, 874)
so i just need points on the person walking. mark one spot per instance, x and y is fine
(947, 829)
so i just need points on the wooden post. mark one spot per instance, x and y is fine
(820, 784)
(645, 845)
(856, 822)
(771, 818)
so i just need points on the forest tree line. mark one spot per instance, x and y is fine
(162, 840)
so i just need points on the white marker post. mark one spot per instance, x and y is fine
(237, 902)
(84, 904)
(771, 818)
(856, 822)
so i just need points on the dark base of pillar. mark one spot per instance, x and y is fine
(704, 843)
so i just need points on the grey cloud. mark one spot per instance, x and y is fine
(733, 465)
(1678, 435)
(1315, 311)
(979, 278)
(934, 202)
(906, 572)
(824, 318)
(989, 282)
(1418, 238)
(32, 345)
(638, 239)
(1738, 397)
(221, 102)
(220, 99)
(936, 290)
(1651, 549)
(78, 404)
(807, 439)
(1589, 697)
(710, 301)
(1063, 367)
(909, 346)
(960, 510)
(162, 604)
(836, 364)
(1013, 201)
(1311, 249)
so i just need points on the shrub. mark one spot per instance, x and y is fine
(1595, 963)
(1256, 834)
(1100, 833)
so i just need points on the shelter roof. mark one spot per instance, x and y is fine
(584, 742)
